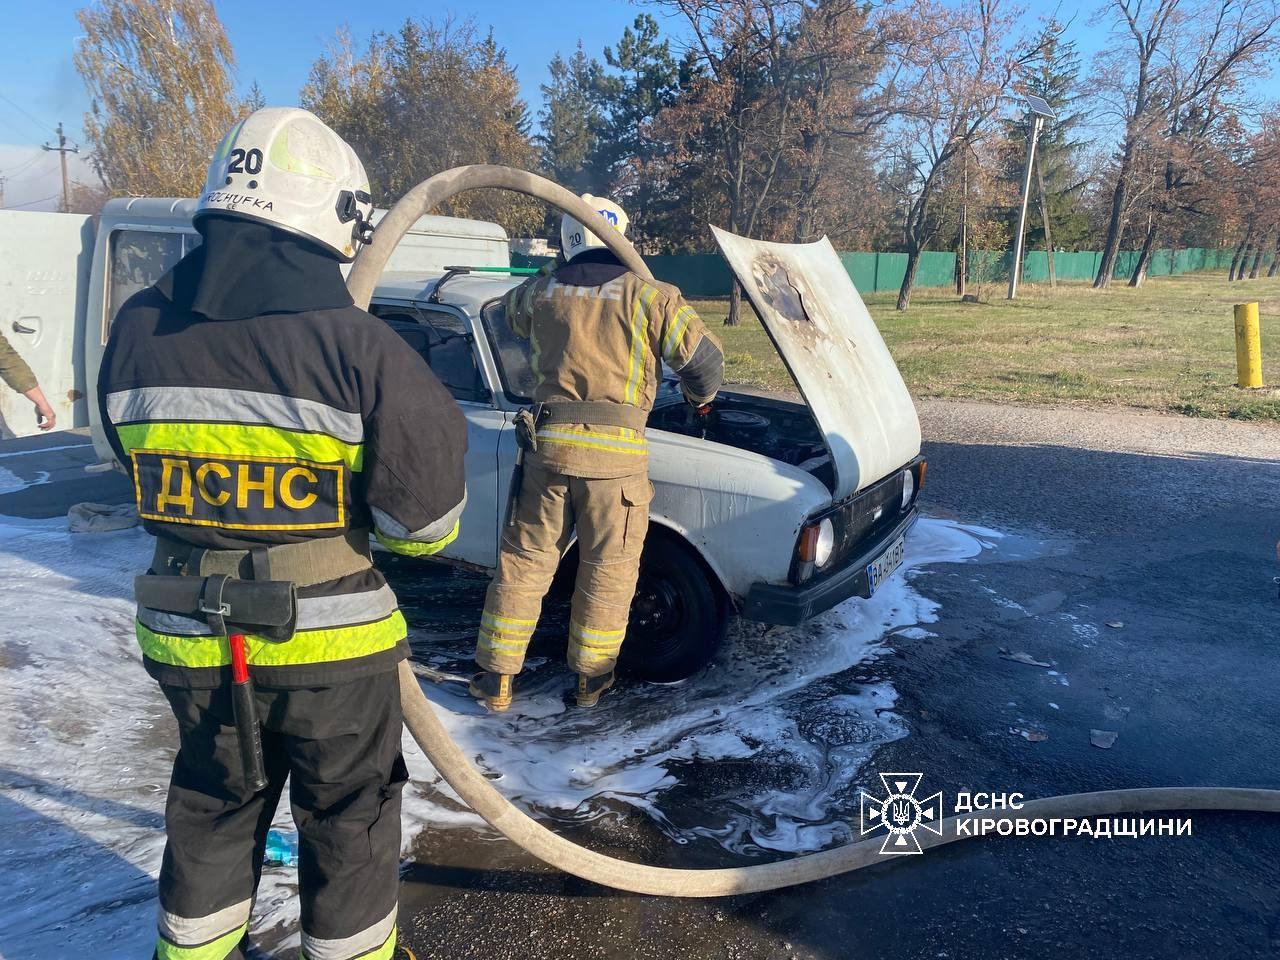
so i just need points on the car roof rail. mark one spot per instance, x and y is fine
(451, 272)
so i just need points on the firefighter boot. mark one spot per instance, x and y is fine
(590, 689)
(495, 690)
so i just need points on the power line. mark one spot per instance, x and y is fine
(32, 203)
(23, 166)
(23, 110)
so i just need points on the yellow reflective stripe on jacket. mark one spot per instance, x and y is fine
(213, 950)
(307, 646)
(236, 439)
(626, 441)
(639, 342)
(678, 326)
(417, 548)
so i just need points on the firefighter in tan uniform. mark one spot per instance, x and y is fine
(598, 335)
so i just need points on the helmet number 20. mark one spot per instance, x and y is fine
(245, 162)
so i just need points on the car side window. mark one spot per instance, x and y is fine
(511, 351)
(138, 258)
(442, 339)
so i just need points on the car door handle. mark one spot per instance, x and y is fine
(20, 327)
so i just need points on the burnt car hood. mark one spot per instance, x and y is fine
(815, 317)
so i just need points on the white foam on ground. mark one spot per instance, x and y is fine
(763, 700)
(87, 740)
(10, 482)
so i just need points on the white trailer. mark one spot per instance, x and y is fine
(64, 276)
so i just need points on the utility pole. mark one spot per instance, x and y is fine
(62, 149)
(962, 261)
(1038, 111)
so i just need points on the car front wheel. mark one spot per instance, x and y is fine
(678, 617)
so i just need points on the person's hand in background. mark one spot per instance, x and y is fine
(45, 417)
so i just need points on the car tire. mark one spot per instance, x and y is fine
(679, 616)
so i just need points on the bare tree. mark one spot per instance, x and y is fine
(848, 92)
(1215, 49)
(431, 96)
(1135, 72)
(960, 69)
(1242, 249)
(744, 104)
(158, 73)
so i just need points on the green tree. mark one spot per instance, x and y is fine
(1052, 74)
(159, 79)
(427, 98)
(572, 121)
(256, 99)
(643, 79)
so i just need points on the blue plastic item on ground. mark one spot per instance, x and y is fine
(282, 849)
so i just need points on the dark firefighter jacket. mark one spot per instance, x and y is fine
(249, 424)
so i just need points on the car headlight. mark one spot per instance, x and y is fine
(815, 548)
(825, 544)
(908, 488)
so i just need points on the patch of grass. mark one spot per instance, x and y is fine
(1262, 408)
(1169, 345)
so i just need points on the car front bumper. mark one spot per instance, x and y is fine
(789, 605)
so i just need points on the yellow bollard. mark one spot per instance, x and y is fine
(1248, 346)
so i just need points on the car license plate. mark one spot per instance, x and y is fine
(882, 567)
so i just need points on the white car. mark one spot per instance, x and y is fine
(774, 509)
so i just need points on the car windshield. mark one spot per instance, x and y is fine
(511, 352)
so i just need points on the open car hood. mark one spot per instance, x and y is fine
(815, 317)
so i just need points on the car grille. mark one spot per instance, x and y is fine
(867, 516)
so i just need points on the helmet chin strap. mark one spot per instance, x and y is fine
(363, 230)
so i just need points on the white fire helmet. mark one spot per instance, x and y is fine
(576, 239)
(283, 166)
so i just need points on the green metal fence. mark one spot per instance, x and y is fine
(707, 275)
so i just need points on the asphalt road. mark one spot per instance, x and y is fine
(1166, 527)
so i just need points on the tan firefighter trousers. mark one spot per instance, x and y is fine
(611, 518)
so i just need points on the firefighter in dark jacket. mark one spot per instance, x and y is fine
(599, 335)
(269, 426)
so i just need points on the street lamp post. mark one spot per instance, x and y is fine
(1039, 112)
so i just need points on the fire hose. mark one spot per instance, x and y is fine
(478, 793)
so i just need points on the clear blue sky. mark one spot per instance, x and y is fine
(275, 43)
